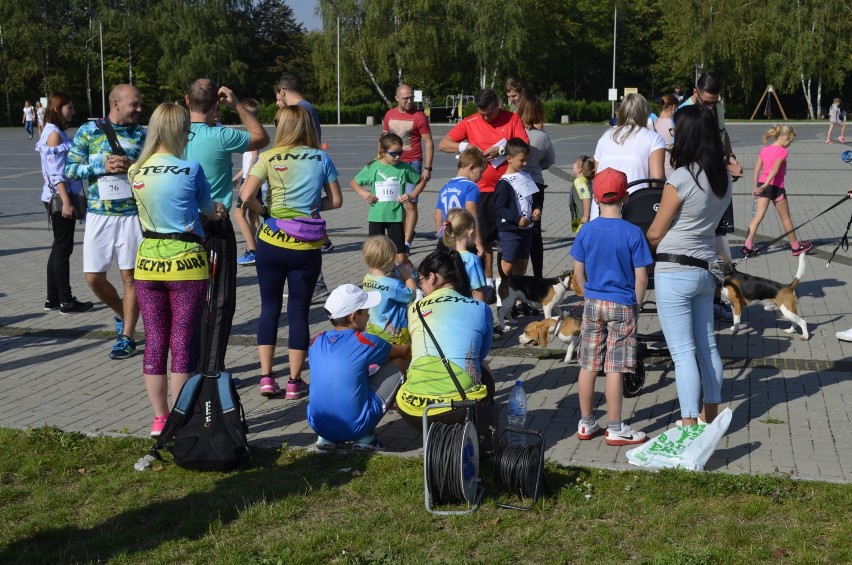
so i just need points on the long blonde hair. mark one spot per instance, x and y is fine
(168, 128)
(295, 128)
(632, 115)
(777, 131)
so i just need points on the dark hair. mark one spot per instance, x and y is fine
(203, 95)
(485, 98)
(516, 146)
(53, 113)
(450, 266)
(667, 100)
(708, 83)
(292, 82)
(697, 142)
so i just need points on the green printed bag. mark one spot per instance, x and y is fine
(683, 447)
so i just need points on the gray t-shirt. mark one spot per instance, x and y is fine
(693, 228)
(541, 154)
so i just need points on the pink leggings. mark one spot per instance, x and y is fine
(170, 311)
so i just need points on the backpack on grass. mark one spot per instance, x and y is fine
(208, 425)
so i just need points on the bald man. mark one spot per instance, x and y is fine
(412, 126)
(112, 220)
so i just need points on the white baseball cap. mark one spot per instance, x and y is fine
(348, 298)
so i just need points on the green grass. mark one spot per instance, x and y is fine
(66, 498)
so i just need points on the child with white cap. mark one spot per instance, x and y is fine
(346, 401)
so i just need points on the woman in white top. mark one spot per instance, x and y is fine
(631, 147)
(29, 118)
(835, 117)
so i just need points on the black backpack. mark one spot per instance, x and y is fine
(208, 425)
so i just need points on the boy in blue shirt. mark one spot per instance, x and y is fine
(346, 402)
(610, 256)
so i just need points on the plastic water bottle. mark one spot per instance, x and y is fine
(144, 463)
(754, 208)
(517, 411)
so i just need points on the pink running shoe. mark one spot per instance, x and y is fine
(804, 247)
(268, 386)
(296, 389)
(841, 139)
(158, 425)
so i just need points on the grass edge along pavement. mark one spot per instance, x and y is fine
(65, 497)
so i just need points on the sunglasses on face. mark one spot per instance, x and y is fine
(394, 153)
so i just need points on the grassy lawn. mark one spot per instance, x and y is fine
(66, 498)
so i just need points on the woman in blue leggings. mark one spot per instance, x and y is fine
(695, 197)
(290, 238)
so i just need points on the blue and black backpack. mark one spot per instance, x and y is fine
(208, 426)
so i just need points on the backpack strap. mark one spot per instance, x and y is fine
(186, 397)
(444, 360)
(229, 400)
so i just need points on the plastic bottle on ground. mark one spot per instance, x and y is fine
(517, 411)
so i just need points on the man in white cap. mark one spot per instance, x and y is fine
(354, 376)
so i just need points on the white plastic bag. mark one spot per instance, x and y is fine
(684, 447)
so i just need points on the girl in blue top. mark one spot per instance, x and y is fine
(171, 264)
(388, 319)
(459, 234)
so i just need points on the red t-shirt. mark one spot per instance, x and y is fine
(486, 135)
(410, 126)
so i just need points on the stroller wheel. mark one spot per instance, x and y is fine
(635, 381)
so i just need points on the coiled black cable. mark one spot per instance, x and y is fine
(516, 468)
(443, 463)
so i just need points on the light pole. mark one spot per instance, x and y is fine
(614, 30)
(333, 4)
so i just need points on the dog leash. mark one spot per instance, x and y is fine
(844, 243)
(758, 250)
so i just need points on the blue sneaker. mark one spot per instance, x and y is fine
(123, 348)
(119, 327)
(247, 259)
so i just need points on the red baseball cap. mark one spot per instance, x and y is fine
(610, 185)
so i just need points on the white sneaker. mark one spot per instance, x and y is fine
(844, 336)
(625, 436)
(587, 432)
(701, 422)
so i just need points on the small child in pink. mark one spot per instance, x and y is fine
(769, 171)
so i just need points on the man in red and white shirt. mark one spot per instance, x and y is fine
(412, 126)
(489, 130)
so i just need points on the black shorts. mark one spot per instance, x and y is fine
(487, 217)
(394, 230)
(515, 245)
(772, 192)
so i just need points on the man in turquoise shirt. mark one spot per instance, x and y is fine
(213, 147)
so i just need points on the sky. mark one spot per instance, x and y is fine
(304, 12)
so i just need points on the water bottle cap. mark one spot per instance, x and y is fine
(519, 383)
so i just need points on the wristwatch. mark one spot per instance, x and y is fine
(428, 169)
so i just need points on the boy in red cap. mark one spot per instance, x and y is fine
(610, 256)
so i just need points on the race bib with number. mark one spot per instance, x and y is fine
(114, 187)
(522, 184)
(387, 190)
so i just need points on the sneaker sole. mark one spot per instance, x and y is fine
(585, 437)
(245, 264)
(621, 442)
(269, 393)
(295, 395)
(119, 357)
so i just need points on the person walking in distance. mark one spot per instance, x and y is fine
(418, 149)
(212, 147)
(101, 152)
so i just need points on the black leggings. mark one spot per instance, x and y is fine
(58, 264)
(537, 244)
(300, 270)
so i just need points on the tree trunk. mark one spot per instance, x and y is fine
(806, 90)
(819, 95)
(129, 63)
(373, 79)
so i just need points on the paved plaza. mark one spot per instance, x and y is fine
(791, 399)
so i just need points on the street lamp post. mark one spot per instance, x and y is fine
(338, 68)
(614, 30)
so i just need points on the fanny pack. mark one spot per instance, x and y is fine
(187, 237)
(303, 229)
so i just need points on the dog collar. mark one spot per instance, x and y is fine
(558, 326)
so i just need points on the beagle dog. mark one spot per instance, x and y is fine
(532, 291)
(742, 289)
(565, 327)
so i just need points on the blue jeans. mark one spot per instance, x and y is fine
(685, 307)
(417, 166)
